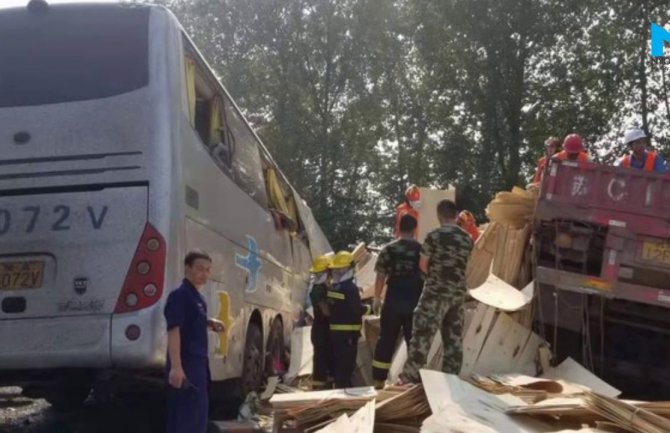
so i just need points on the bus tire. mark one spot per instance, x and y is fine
(252, 373)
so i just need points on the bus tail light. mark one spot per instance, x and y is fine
(143, 285)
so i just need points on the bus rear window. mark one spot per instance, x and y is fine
(72, 53)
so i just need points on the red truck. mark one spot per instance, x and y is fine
(601, 249)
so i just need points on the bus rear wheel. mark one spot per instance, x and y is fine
(252, 373)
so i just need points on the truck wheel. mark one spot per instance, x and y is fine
(252, 374)
(67, 399)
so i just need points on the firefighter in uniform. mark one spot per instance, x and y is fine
(321, 368)
(410, 206)
(346, 314)
(397, 267)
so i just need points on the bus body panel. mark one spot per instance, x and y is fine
(60, 342)
(137, 154)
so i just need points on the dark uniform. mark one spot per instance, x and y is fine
(321, 367)
(399, 261)
(187, 408)
(441, 303)
(346, 313)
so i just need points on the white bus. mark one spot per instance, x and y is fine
(121, 151)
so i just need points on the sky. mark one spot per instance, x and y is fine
(12, 3)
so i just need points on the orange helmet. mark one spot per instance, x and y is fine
(573, 143)
(412, 193)
(465, 218)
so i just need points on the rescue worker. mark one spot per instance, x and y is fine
(346, 314)
(187, 365)
(640, 157)
(551, 146)
(410, 206)
(467, 222)
(321, 370)
(444, 256)
(573, 150)
(397, 267)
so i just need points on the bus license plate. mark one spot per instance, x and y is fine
(21, 275)
(656, 252)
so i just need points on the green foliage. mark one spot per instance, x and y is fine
(357, 99)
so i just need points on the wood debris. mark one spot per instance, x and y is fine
(514, 209)
(408, 406)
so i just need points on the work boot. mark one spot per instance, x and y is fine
(380, 384)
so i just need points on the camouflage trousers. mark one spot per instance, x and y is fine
(438, 308)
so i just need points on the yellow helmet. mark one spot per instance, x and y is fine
(342, 260)
(320, 264)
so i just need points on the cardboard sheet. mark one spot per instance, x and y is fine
(461, 407)
(571, 371)
(302, 353)
(498, 294)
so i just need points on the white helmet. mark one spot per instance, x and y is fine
(633, 135)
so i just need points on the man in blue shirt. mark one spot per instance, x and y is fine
(187, 366)
(641, 158)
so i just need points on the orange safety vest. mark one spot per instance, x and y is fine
(401, 211)
(563, 156)
(649, 162)
(539, 170)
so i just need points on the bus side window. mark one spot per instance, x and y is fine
(207, 116)
(246, 158)
(221, 139)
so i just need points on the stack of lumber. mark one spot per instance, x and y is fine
(396, 409)
(609, 414)
(402, 412)
(502, 247)
(308, 409)
(514, 209)
(494, 385)
(481, 258)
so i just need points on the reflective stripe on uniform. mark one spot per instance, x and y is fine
(381, 365)
(336, 327)
(336, 295)
(319, 382)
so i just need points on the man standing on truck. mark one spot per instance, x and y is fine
(573, 149)
(188, 365)
(346, 314)
(323, 356)
(640, 157)
(398, 268)
(551, 146)
(444, 256)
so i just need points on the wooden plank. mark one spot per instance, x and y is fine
(303, 398)
(474, 337)
(502, 347)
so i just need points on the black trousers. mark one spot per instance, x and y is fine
(323, 355)
(391, 324)
(345, 350)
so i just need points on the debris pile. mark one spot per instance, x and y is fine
(394, 409)
(507, 382)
